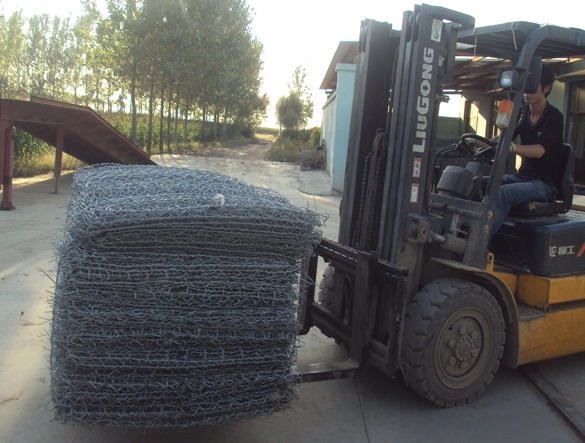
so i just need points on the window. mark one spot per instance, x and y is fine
(472, 116)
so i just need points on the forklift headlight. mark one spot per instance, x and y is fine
(506, 78)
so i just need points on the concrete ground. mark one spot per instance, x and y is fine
(371, 408)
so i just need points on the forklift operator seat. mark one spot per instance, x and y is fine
(563, 200)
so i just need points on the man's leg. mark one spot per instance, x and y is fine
(514, 191)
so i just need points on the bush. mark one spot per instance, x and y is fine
(266, 131)
(123, 123)
(285, 150)
(42, 164)
(315, 138)
(27, 147)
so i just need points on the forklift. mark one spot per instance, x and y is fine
(413, 283)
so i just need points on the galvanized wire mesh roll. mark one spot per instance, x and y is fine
(176, 297)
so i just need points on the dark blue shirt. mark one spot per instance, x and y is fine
(548, 132)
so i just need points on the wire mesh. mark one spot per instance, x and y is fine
(176, 297)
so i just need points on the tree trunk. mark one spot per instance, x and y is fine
(215, 126)
(175, 135)
(162, 118)
(133, 101)
(97, 94)
(169, 115)
(203, 110)
(185, 124)
(110, 105)
(150, 113)
(224, 128)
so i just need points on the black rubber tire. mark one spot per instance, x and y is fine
(326, 286)
(453, 341)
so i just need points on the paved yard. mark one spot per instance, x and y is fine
(371, 408)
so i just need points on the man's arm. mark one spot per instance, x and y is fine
(532, 151)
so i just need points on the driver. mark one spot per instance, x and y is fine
(541, 149)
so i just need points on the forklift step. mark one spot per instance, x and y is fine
(527, 313)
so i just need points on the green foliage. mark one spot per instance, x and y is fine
(123, 123)
(26, 146)
(289, 110)
(285, 149)
(315, 137)
(42, 164)
(294, 111)
(267, 131)
(302, 90)
(188, 56)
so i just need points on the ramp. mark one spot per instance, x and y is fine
(76, 130)
(87, 136)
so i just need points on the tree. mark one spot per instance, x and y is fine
(38, 36)
(294, 111)
(300, 88)
(83, 35)
(12, 42)
(197, 58)
(124, 33)
(289, 112)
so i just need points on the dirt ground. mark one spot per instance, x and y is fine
(369, 409)
(256, 152)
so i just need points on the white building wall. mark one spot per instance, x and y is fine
(328, 131)
(336, 122)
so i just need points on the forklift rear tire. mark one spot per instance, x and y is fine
(453, 341)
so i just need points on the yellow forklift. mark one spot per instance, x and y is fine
(410, 284)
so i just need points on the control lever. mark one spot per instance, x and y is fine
(478, 188)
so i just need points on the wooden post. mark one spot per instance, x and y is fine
(59, 155)
(8, 149)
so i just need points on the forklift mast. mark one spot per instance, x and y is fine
(399, 87)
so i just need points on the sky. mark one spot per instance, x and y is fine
(306, 33)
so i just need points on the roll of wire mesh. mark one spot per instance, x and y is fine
(176, 297)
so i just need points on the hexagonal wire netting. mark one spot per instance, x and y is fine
(176, 298)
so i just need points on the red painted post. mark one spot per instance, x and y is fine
(59, 155)
(2, 149)
(8, 135)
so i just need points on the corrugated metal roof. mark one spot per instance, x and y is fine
(346, 53)
(483, 50)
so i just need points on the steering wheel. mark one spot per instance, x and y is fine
(480, 151)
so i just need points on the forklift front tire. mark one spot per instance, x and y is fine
(326, 288)
(453, 341)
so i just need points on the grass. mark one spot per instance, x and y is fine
(285, 150)
(273, 132)
(29, 167)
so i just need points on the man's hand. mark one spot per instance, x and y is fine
(494, 141)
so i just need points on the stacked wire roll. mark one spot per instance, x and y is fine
(176, 297)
